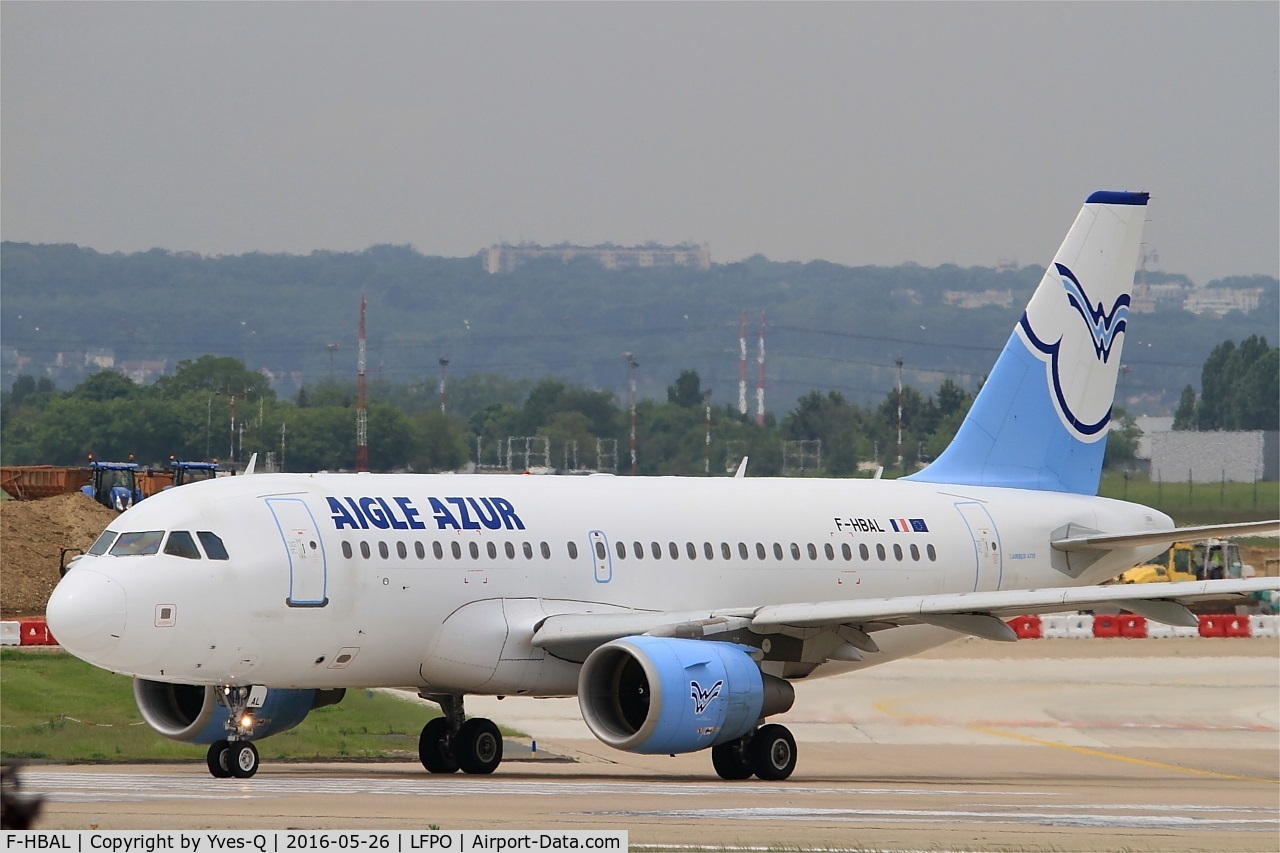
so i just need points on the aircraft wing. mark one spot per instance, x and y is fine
(979, 614)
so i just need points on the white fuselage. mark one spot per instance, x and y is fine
(438, 581)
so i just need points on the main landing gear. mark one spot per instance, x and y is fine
(452, 742)
(768, 753)
(235, 755)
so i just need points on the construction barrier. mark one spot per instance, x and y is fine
(35, 632)
(10, 633)
(1129, 626)
(1133, 627)
(1264, 626)
(1106, 625)
(1026, 627)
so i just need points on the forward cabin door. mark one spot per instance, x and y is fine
(301, 537)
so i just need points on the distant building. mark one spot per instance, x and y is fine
(1215, 456)
(978, 298)
(504, 257)
(1223, 300)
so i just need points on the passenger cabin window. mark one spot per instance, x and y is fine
(829, 551)
(657, 551)
(138, 544)
(709, 550)
(364, 550)
(777, 551)
(621, 548)
(637, 549)
(457, 550)
(573, 550)
(346, 549)
(863, 553)
(795, 551)
(528, 551)
(475, 551)
(419, 550)
(727, 552)
(511, 551)
(546, 551)
(438, 550)
(181, 544)
(103, 543)
(760, 553)
(601, 551)
(401, 551)
(213, 547)
(933, 554)
(493, 550)
(382, 550)
(880, 551)
(674, 550)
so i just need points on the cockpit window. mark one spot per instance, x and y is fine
(138, 544)
(181, 544)
(213, 545)
(103, 543)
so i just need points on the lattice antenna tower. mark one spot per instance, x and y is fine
(760, 382)
(742, 366)
(362, 409)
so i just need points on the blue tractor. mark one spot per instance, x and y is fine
(115, 484)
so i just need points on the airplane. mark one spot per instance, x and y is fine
(678, 610)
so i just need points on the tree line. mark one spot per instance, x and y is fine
(1240, 389)
(189, 415)
(214, 407)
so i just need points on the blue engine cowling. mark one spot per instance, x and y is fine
(659, 695)
(192, 713)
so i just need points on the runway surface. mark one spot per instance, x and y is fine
(1162, 748)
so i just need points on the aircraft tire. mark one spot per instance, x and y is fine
(433, 747)
(772, 752)
(243, 758)
(732, 760)
(219, 759)
(478, 746)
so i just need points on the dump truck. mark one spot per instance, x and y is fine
(32, 482)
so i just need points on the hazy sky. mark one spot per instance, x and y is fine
(860, 133)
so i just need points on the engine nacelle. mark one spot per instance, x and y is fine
(192, 713)
(660, 695)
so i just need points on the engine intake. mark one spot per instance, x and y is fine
(192, 713)
(661, 695)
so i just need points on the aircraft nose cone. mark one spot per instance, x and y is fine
(86, 614)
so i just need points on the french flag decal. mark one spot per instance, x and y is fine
(909, 525)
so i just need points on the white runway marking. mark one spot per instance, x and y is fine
(1009, 807)
(918, 816)
(115, 787)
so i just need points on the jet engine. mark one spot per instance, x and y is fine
(661, 695)
(192, 712)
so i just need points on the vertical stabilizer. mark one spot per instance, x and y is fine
(1040, 421)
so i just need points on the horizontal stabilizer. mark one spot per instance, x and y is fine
(1112, 541)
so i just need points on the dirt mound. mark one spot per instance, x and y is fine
(30, 533)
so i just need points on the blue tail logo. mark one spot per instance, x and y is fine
(1103, 325)
(1104, 328)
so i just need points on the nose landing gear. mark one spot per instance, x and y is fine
(235, 756)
